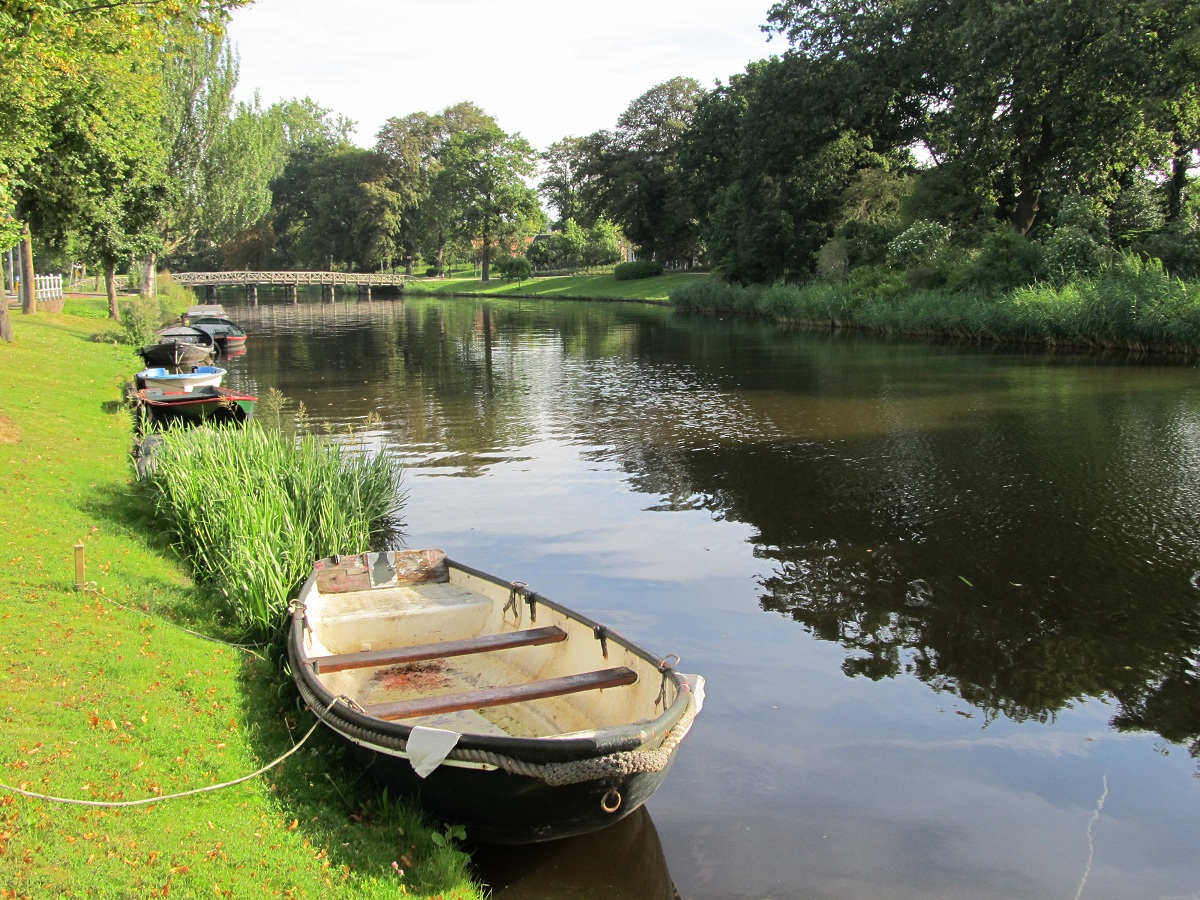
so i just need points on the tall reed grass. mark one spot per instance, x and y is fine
(1132, 305)
(252, 509)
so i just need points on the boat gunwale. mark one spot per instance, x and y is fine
(551, 748)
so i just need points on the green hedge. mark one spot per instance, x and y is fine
(642, 268)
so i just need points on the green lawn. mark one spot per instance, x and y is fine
(103, 697)
(566, 287)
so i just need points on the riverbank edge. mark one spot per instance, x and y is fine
(517, 296)
(104, 699)
(1134, 309)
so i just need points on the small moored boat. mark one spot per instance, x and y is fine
(167, 380)
(178, 346)
(499, 709)
(228, 335)
(199, 406)
(204, 309)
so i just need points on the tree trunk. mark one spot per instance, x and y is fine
(28, 284)
(1024, 214)
(150, 275)
(5, 323)
(1179, 179)
(110, 288)
(486, 267)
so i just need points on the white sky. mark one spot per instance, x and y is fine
(544, 68)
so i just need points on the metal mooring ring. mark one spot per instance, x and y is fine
(611, 801)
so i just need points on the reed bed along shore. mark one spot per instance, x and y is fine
(1133, 305)
(252, 508)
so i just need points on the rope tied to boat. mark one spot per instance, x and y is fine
(149, 801)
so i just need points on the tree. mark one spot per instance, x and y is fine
(769, 157)
(102, 174)
(412, 147)
(50, 51)
(224, 155)
(1025, 99)
(483, 181)
(332, 207)
(573, 241)
(603, 245)
(564, 174)
(633, 175)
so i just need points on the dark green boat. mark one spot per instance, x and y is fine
(200, 406)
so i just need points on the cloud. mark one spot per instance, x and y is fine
(545, 69)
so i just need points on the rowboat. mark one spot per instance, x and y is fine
(499, 709)
(199, 406)
(179, 345)
(228, 335)
(204, 309)
(168, 380)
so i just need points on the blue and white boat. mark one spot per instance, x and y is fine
(176, 380)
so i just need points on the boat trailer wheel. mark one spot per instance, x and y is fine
(611, 801)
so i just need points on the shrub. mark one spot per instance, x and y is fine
(833, 261)
(1070, 253)
(1178, 248)
(514, 268)
(866, 244)
(642, 268)
(918, 245)
(1078, 211)
(139, 318)
(1006, 260)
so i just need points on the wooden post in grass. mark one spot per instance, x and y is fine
(80, 567)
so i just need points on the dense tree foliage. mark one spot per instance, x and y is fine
(769, 157)
(632, 175)
(483, 181)
(1022, 102)
(77, 111)
(412, 147)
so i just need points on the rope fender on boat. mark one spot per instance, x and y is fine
(612, 765)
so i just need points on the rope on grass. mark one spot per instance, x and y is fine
(109, 804)
(90, 588)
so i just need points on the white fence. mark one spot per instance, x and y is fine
(48, 287)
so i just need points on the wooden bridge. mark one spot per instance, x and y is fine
(359, 282)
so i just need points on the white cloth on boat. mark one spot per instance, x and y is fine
(696, 683)
(427, 747)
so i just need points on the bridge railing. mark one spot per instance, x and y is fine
(190, 279)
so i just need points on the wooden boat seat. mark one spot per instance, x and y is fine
(387, 656)
(517, 693)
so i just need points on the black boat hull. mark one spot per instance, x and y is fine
(174, 354)
(499, 807)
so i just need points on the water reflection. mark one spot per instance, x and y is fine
(1020, 540)
(623, 862)
(999, 549)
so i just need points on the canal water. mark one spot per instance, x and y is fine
(946, 598)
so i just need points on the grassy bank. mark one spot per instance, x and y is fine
(560, 287)
(1133, 305)
(104, 699)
